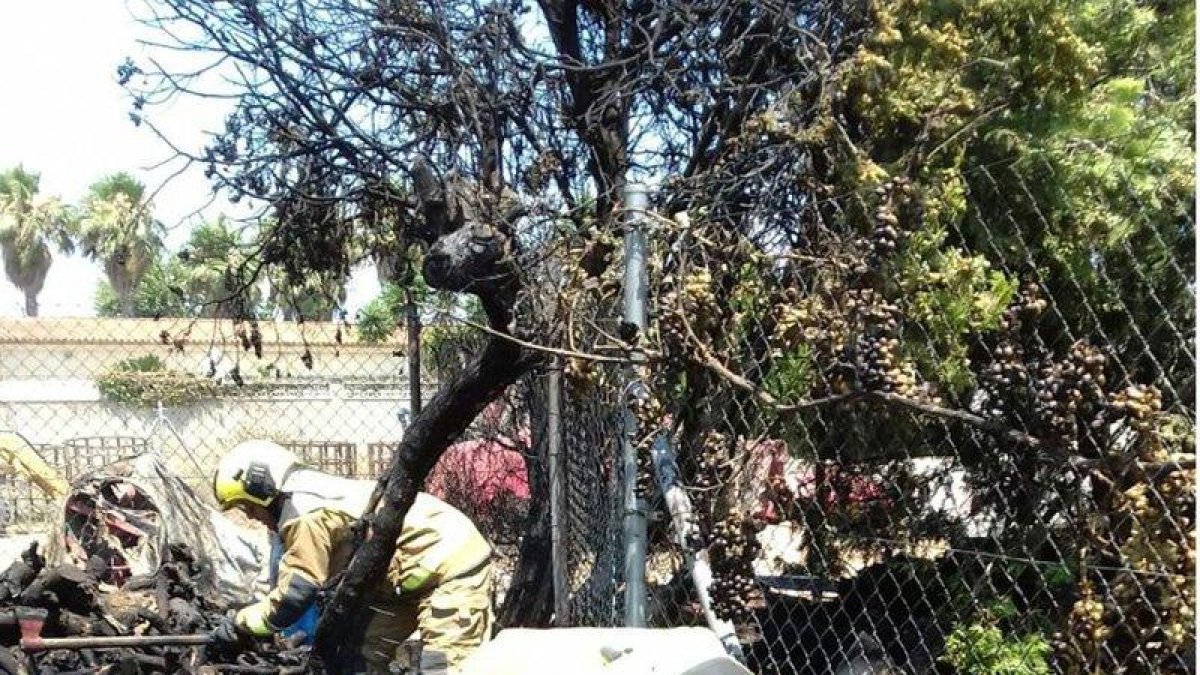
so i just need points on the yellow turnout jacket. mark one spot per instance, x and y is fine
(437, 543)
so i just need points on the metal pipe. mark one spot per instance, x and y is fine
(636, 276)
(558, 494)
(43, 644)
(635, 313)
(686, 523)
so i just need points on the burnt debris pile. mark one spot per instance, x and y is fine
(71, 619)
(136, 573)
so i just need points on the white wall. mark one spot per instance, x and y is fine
(354, 394)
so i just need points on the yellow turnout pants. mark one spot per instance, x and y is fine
(453, 618)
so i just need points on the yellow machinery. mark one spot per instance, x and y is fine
(18, 458)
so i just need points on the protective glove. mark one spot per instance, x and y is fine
(252, 620)
(249, 622)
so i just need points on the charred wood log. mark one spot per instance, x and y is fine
(21, 573)
(66, 586)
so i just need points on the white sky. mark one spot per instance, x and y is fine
(63, 115)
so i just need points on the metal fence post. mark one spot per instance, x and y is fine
(635, 313)
(413, 321)
(558, 494)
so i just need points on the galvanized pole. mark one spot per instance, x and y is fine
(413, 321)
(635, 313)
(558, 494)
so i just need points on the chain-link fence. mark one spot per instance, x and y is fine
(85, 392)
(88, 391)
(963, 447)
(914, 447)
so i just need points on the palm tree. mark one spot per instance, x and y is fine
(214, 266)
(119, 231)
(29, 227)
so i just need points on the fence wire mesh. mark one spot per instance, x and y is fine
(912, 444)
(88, 391)
(85, 392)
(926, 448)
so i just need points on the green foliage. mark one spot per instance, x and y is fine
(200, 280)
(140, 364)
(952, 294)
(791, 375)
(439, 338)
(386, 312)
(1048, 147)
(1058, 575)
(214, 272)
(120, 184)
(749, 298)
(985, 647)
(951, 287)
(978, 649)
(1056, 137)
(314, 298)
(117, 228)
(18, 183)
(145, 381)
(1050, 141)
(158, 294)
(212, 241)
(382, 315)
(376, 321)
(446, 346)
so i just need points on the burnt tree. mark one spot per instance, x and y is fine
(531, 115)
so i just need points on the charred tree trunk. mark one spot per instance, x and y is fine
(468, 255)
(530, 599)
(340, 632)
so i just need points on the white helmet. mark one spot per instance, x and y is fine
(253, 471)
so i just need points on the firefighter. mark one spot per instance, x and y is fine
(439, 581)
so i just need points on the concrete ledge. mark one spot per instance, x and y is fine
(611, 651)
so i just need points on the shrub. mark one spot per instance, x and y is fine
(982, 649)
(146, 381)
